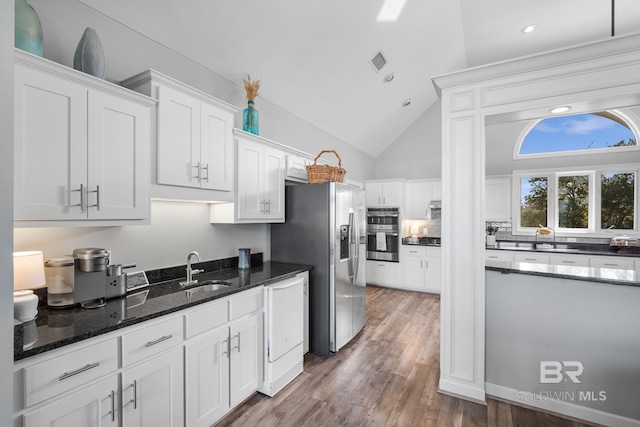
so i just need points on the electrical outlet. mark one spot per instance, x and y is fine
(425, 231)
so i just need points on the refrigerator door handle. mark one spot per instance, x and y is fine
(356, 260)
(350, 245)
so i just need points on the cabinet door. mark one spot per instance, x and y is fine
(207, 378)
(152, 392)
(373, 191)
(414, 271)
(417, 205)
(533, 257)
(50, 147)
(216, 148)
(392, 193)
(569, 259)
(178, 138)
(498, 199)
(93, 406)
(246, 357)
(117, 186)
(611, 262)
(274, 184)
(433, 273)
(250, 180)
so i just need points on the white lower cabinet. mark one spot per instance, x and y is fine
(421, 268)
(152, 392)
(612, 262)
(384, 273)
(569, 259)
(531, 257)
(93, 406)
(495, 255)
(223, 364)
(148, 375)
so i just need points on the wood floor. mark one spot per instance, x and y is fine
(386, 376)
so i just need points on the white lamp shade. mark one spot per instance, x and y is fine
(28, 270)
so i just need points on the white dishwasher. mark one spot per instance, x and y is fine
(284, 333)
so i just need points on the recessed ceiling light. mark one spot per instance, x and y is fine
(389, 77)
(560, 110)
(391, 10)
(529, 28)
(406, 102)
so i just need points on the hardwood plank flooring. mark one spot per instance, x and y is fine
(386, 376)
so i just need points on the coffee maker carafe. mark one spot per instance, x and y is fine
(90, 273)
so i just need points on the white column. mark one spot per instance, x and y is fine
(462, 298)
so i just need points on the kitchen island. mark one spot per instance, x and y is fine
(564, 339)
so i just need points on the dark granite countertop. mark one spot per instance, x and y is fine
(611, 276)
(422, 241)
(55, 328)
(567, 248)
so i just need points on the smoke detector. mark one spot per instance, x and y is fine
(378, 61)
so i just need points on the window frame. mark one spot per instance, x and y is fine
(622, 116)
(595, 177)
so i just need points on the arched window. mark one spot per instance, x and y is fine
(580, 133)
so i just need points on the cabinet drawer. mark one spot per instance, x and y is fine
(531, 257)
(245, 303)
(414, 250)
(204, 319)
(55, 376)
(493, 255)
(146, 342)
(573, 260)
(612, 262)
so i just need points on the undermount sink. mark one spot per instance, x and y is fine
(206, 286)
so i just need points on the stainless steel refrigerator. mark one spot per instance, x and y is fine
(325, 227)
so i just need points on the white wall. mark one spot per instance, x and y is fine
(417, 153)
(128, 53)
(6, 209)
(176, 229)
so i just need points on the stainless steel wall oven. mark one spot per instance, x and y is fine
(383, 234)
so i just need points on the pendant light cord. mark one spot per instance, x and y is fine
(613, 18)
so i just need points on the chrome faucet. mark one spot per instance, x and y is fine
(191, 272)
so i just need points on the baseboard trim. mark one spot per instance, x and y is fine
(461, 391)
(560, 408)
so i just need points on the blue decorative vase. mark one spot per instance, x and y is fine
(250, 118)
(89, 56)
(28, 35)
(244, 258)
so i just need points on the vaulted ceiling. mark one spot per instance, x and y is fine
(313, 58)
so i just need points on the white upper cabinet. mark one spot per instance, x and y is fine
(194, 140)
(419, 195)
(259, 195)
(260, 182)
(385, 193)
(497, 198)
(81, 147)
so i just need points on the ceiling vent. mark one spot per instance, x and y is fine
(378, 61)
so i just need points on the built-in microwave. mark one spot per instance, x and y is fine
(383, 234)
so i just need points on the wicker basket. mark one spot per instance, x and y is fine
(317, 174)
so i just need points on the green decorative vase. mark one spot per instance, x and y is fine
(250, 118)
(28, 36)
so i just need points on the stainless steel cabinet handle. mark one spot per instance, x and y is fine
(206, 178)
(159, 340)
(236, 346)
(611, 265)
(135, 394)
(413, 252)
(113, 406)
(81, 190)
(262, 206)
(97, 191)
(225, 344)
(568, 262)
(267, 208)
(77, 371)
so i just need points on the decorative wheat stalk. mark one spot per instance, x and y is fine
(251, 87)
